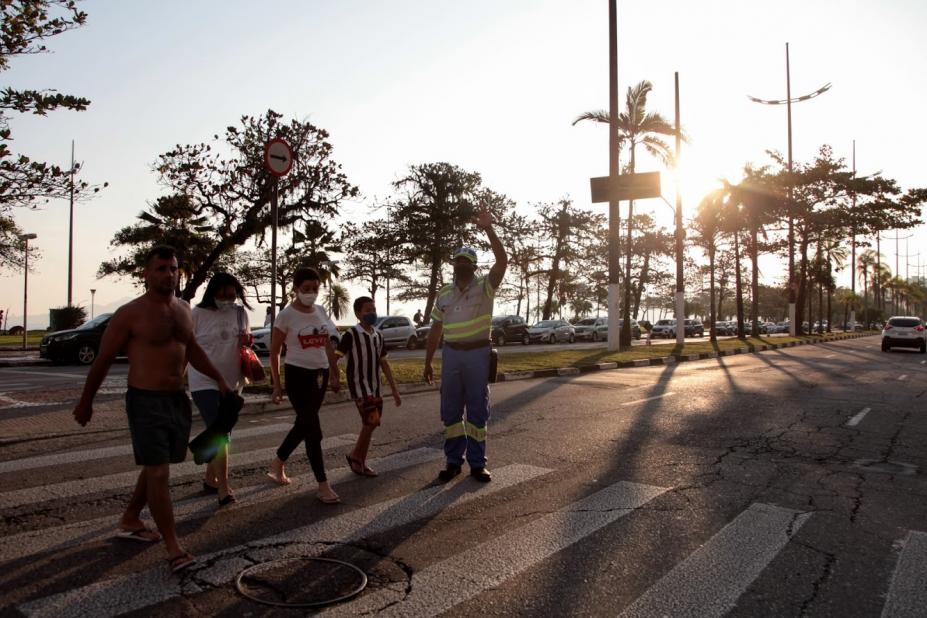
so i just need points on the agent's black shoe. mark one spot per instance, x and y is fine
(481, 474)
(448, 473)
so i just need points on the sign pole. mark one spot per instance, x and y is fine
(273, 254)
(613, 164)
(278, 160)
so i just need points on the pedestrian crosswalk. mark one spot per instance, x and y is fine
(709, 581)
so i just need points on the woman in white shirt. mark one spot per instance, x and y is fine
(220, 326)
(310, 367)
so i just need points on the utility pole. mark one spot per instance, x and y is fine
(71, 232)
(793, 284)
(614, 228)
(680, 283)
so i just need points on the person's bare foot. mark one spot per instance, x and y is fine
(326, 494)
(277, 473)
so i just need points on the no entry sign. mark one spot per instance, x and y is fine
(278, 157)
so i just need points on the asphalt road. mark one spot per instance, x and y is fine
(785, 483)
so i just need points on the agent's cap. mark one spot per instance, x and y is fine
(466, 252)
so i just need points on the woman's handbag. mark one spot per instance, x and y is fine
(252, 369)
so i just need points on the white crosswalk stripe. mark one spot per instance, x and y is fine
(70, 489)
(46, 539)
(451, 582)
(43, 461)
(907, 595)
(133, 592)
(709, 582)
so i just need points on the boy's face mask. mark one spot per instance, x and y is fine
(369, 319)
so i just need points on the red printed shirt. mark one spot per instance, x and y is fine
(305, 336)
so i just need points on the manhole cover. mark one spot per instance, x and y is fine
(886, 467)
(301, 582)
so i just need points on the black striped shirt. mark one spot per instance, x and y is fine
(364, 351)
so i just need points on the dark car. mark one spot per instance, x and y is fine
(506, 328)
(78, 345)
(695, 328)
(422, 334)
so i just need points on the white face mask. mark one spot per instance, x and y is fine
(225, 304)
(307, 298)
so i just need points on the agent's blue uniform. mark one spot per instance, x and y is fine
(467, 318)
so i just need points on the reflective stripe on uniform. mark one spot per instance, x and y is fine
(456, 430)
(468, 329)
(475, 433)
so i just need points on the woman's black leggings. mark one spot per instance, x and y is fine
(305, 389)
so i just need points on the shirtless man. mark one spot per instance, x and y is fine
(156, 333)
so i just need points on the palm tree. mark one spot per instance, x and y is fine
(707, 226)
(636, 127)
(864, 262)
(338, 300)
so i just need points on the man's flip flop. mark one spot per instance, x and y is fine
(181, 562)
(139, 535)
(329, 499)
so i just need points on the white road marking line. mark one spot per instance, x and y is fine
(923, 362)
(123, 594)
(446, 584)
(42, 374)
(78, 533)
(830, 356)
(7, 402)
(80, 487)
(902, 377)
(631, 403)
(42, 461)
(853, 422)
(709, 582)
(907, 595)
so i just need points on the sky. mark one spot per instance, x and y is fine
(490, 86)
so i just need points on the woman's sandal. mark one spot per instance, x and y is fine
(357, 466)
(181, 562)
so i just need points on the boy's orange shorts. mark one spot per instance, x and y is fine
(370, 409)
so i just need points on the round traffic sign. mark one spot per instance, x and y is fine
(278, 157)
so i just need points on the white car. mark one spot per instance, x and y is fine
(552, 331)
(261, 343)
(904, 332)
(593, 329)
(664, 328)
(397, 330)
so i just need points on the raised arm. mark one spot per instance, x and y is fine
(497, 272)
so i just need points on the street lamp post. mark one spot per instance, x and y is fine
(93, 293)
(788, 103)
(26, 238)
(680, 280)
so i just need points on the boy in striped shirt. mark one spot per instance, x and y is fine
(365, 350)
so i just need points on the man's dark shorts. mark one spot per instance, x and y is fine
(159, 422)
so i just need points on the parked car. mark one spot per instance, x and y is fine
(397, 330)
(635, 328)
(693, 328)
(552, 331)
(904, 332)
(261, 342)
(664, 328)
(421, 334)
(78, 345)
(506, 328)
(771, 327)
(726, 328)
(591, 329)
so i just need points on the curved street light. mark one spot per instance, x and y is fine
(787, 101)
(26, 238)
